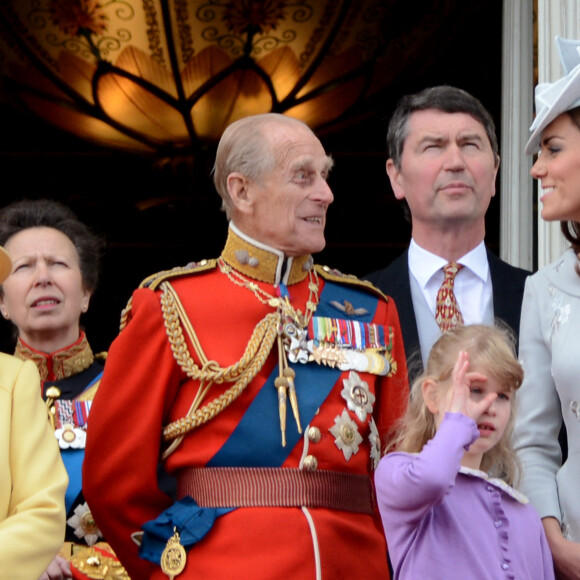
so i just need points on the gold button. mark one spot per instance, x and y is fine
(53, 392)
(347, 434)
(310, 463)
(314, 434)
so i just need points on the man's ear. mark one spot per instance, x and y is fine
(238, 188)
(395, 179)
(430, 390)
(495, 175)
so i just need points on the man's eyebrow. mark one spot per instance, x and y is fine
(309, 163)
(470, 136)
(301, 163)
(432, 139)
(461, 137)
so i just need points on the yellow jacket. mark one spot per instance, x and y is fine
(33, 479)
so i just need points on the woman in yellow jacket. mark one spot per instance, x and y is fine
(33, 479)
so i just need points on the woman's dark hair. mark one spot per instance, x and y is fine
(46, 213)
(571, 230)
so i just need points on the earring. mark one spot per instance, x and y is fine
(5, 314)
(84, 307)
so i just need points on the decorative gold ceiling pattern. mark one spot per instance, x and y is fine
(167, 76)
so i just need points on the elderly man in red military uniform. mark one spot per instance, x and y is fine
(264, 383)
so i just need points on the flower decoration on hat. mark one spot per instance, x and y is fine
(553, 99)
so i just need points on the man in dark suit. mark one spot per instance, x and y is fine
(443, 162)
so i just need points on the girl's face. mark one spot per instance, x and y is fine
(558, 170)
(493, 422)
(44, 295)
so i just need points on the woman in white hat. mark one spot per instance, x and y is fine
(550, 325)
(33, 479)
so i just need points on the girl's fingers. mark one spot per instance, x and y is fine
(471, 377)
(460, 369)
(459, 392)
(482, 406)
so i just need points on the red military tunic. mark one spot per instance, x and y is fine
(144, 388)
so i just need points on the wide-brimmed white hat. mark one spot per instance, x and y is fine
(5, 264)
(555, 98)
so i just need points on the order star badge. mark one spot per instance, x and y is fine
(358, 396)
(346, 435)
(84, 524)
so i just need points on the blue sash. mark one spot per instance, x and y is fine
(256, 441)
(73, 462)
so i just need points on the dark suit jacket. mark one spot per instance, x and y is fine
(508, 290)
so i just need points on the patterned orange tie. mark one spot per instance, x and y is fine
(447, 313)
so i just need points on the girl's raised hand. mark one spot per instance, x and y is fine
(459, 399)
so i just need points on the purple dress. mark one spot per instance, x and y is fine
(445, 521)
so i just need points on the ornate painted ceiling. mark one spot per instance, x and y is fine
(165, 77)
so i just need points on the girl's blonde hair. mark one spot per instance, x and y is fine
(492, 350)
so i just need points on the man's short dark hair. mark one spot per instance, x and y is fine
(444, 98)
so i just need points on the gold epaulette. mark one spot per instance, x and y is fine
(192, 268)
(153, 281)
(337, 276)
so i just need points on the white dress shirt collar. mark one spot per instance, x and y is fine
(424, 264)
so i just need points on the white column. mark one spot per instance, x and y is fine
(516, 204)
(554, 17)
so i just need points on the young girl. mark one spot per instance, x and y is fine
(445, 494)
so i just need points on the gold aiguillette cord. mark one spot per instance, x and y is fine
(284, 384)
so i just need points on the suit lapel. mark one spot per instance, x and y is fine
(400, 291)
(507, 294)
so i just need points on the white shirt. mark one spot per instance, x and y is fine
(472, 287)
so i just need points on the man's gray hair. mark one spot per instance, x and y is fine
(245, 148)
